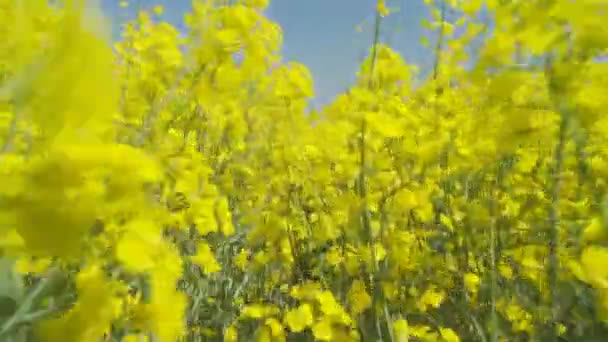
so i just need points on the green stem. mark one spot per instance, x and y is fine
(24, 314)
(493, 277)
(362, 183)
(554, 221)
(554, 213)
(439, 45)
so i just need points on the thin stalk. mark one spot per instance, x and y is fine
(440, 39)
(554, 220)
(493, 275)
(554, 213)
(365, 218)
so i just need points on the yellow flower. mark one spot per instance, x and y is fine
(242, 260)
(37, 266)
(594, 260)
(595, 230)
(334, 256)
(276, 328)
(322, 330)
(307, 291)
(358, 297)
(448, 335)
(257, 311)
(140, 246)
(231, 334)
(472, 6)
(431, 297)
(165, 313)
(260, 4)
(471, 281)
(299, 318)
(158, 9)
(382, 9)
(331, 309)
(261, 258)
(136, 338)
(401, 330)
(224, 216)
(205, 259)
(505, 270)
(95, 310)
(390, 290)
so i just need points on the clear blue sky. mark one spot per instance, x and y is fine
(321, 34)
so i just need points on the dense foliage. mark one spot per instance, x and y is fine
(177, 187)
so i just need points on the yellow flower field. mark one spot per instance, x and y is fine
(158, 189)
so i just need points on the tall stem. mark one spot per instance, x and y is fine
(439, 45)
(493, 271)
(554, 213)
(362, 186)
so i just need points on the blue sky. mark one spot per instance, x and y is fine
(321, 34)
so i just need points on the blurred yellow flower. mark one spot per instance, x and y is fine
(299, 318)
